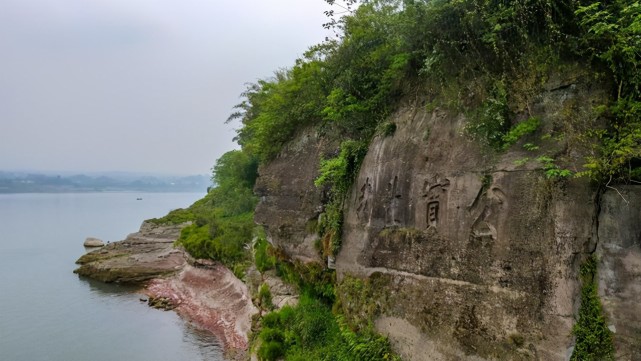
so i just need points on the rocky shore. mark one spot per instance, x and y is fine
(205, 293)
(211, 297)
(144, 255)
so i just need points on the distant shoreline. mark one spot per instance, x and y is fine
(69, 191)
(82, 183)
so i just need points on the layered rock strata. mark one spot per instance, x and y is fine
(146, 254)
(203, 292)
(211, 297)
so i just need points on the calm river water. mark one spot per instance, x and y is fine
(49, 313)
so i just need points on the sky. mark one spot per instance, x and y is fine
(137, 85)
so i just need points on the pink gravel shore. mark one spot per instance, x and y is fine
(214, 299)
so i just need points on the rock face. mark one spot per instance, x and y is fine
(143, 255)
(283, 294)
(476, 252)
(619, 251)
(290, 203)
(93, 242)
(211, 297)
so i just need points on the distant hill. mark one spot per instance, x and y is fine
(17, 182)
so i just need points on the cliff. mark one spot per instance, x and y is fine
(463, 253)
(457, 175)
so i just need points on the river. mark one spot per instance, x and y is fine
(49, 313)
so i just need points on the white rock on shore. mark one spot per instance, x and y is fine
(93, 242)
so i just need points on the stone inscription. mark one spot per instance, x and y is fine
(434, 191)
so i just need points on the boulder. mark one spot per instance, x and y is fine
(93, 242)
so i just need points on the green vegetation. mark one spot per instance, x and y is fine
(176, 216)
(338, 174)
(265, 298)
(490, 122)
(388, 129)
(223, 221)
(612, 38)
(264, 255)
(312, 279)
(364, 300)
(520, 130)
(315, 328)
(593, 338)
(350, 85)
(309, 331)
(485, 59)
(551, 169)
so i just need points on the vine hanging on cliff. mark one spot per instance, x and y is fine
(337, 174)
(593, 338)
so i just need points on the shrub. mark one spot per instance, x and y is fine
(388, 129)
(263, 255)
(519, 130)
(270, 351)
(310, 331)
(265, 297)
(490, 122)
(338, 173)
(176, 216)
(223, 219)
(593, 338)
(272, 320)
(552, 170)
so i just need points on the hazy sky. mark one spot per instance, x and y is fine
(137, 85)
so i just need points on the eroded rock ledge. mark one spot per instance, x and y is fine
(205, 293)
(146, 254)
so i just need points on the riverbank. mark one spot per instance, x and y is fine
(213, 298)
(204, 293)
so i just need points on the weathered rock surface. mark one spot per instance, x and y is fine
(143, 255)
(619, 253)
(283, 294)
(93, 242)
(290, 203)
(478, 254)
(211, 297)
(489, 250)
(161, 303)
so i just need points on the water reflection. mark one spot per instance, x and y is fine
(109, 289)
(208, 345)
(49, 313)
(202, 343)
